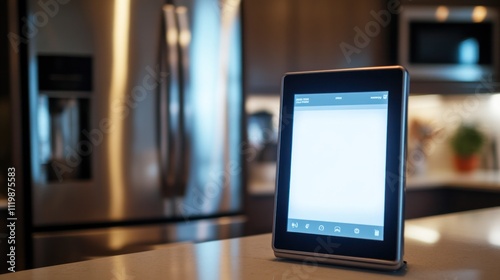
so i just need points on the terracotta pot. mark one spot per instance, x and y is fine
(466, 164)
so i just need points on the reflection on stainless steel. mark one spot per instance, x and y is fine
(117, 91)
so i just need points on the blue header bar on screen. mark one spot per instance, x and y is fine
(342, 98)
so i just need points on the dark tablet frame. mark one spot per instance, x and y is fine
(351, 251)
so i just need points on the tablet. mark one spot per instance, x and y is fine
(340, 180)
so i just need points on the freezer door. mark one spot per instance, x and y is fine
(211, 72)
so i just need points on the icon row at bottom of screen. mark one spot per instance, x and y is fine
(336, 229)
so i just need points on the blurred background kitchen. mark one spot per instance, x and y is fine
(136, 124)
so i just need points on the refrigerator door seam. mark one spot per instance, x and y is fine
(168, 127)
(184, 42)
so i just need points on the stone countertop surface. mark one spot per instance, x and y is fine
(462, 245)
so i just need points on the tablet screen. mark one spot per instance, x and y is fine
(341, 165)
(338, 163)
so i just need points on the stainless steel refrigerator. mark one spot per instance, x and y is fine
(135, 124)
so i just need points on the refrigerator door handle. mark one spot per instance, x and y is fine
(185, 110)
(169, 104)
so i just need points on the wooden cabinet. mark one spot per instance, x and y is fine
(265, 44)
(299, 35)
(325, 33)
(429, 202)
(259, 213)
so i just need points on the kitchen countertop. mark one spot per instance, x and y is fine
(463, 245)
(478, 180)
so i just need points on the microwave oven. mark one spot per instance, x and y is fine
(446, 43)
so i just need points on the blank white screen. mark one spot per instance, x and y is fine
(338, 166)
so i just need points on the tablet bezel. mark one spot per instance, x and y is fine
(386, 254)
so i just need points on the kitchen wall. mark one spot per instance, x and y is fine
(443, 114)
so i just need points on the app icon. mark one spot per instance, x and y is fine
(321, 228)
(356, 230)
(295, 225)
(376, 232)
(336, 229)
(307, 226)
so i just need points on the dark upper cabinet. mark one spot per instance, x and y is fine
(265, 43)
(300, 35)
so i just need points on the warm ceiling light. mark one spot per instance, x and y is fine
(479, 13)
(442, 13)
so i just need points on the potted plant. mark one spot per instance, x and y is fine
(466, 143)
